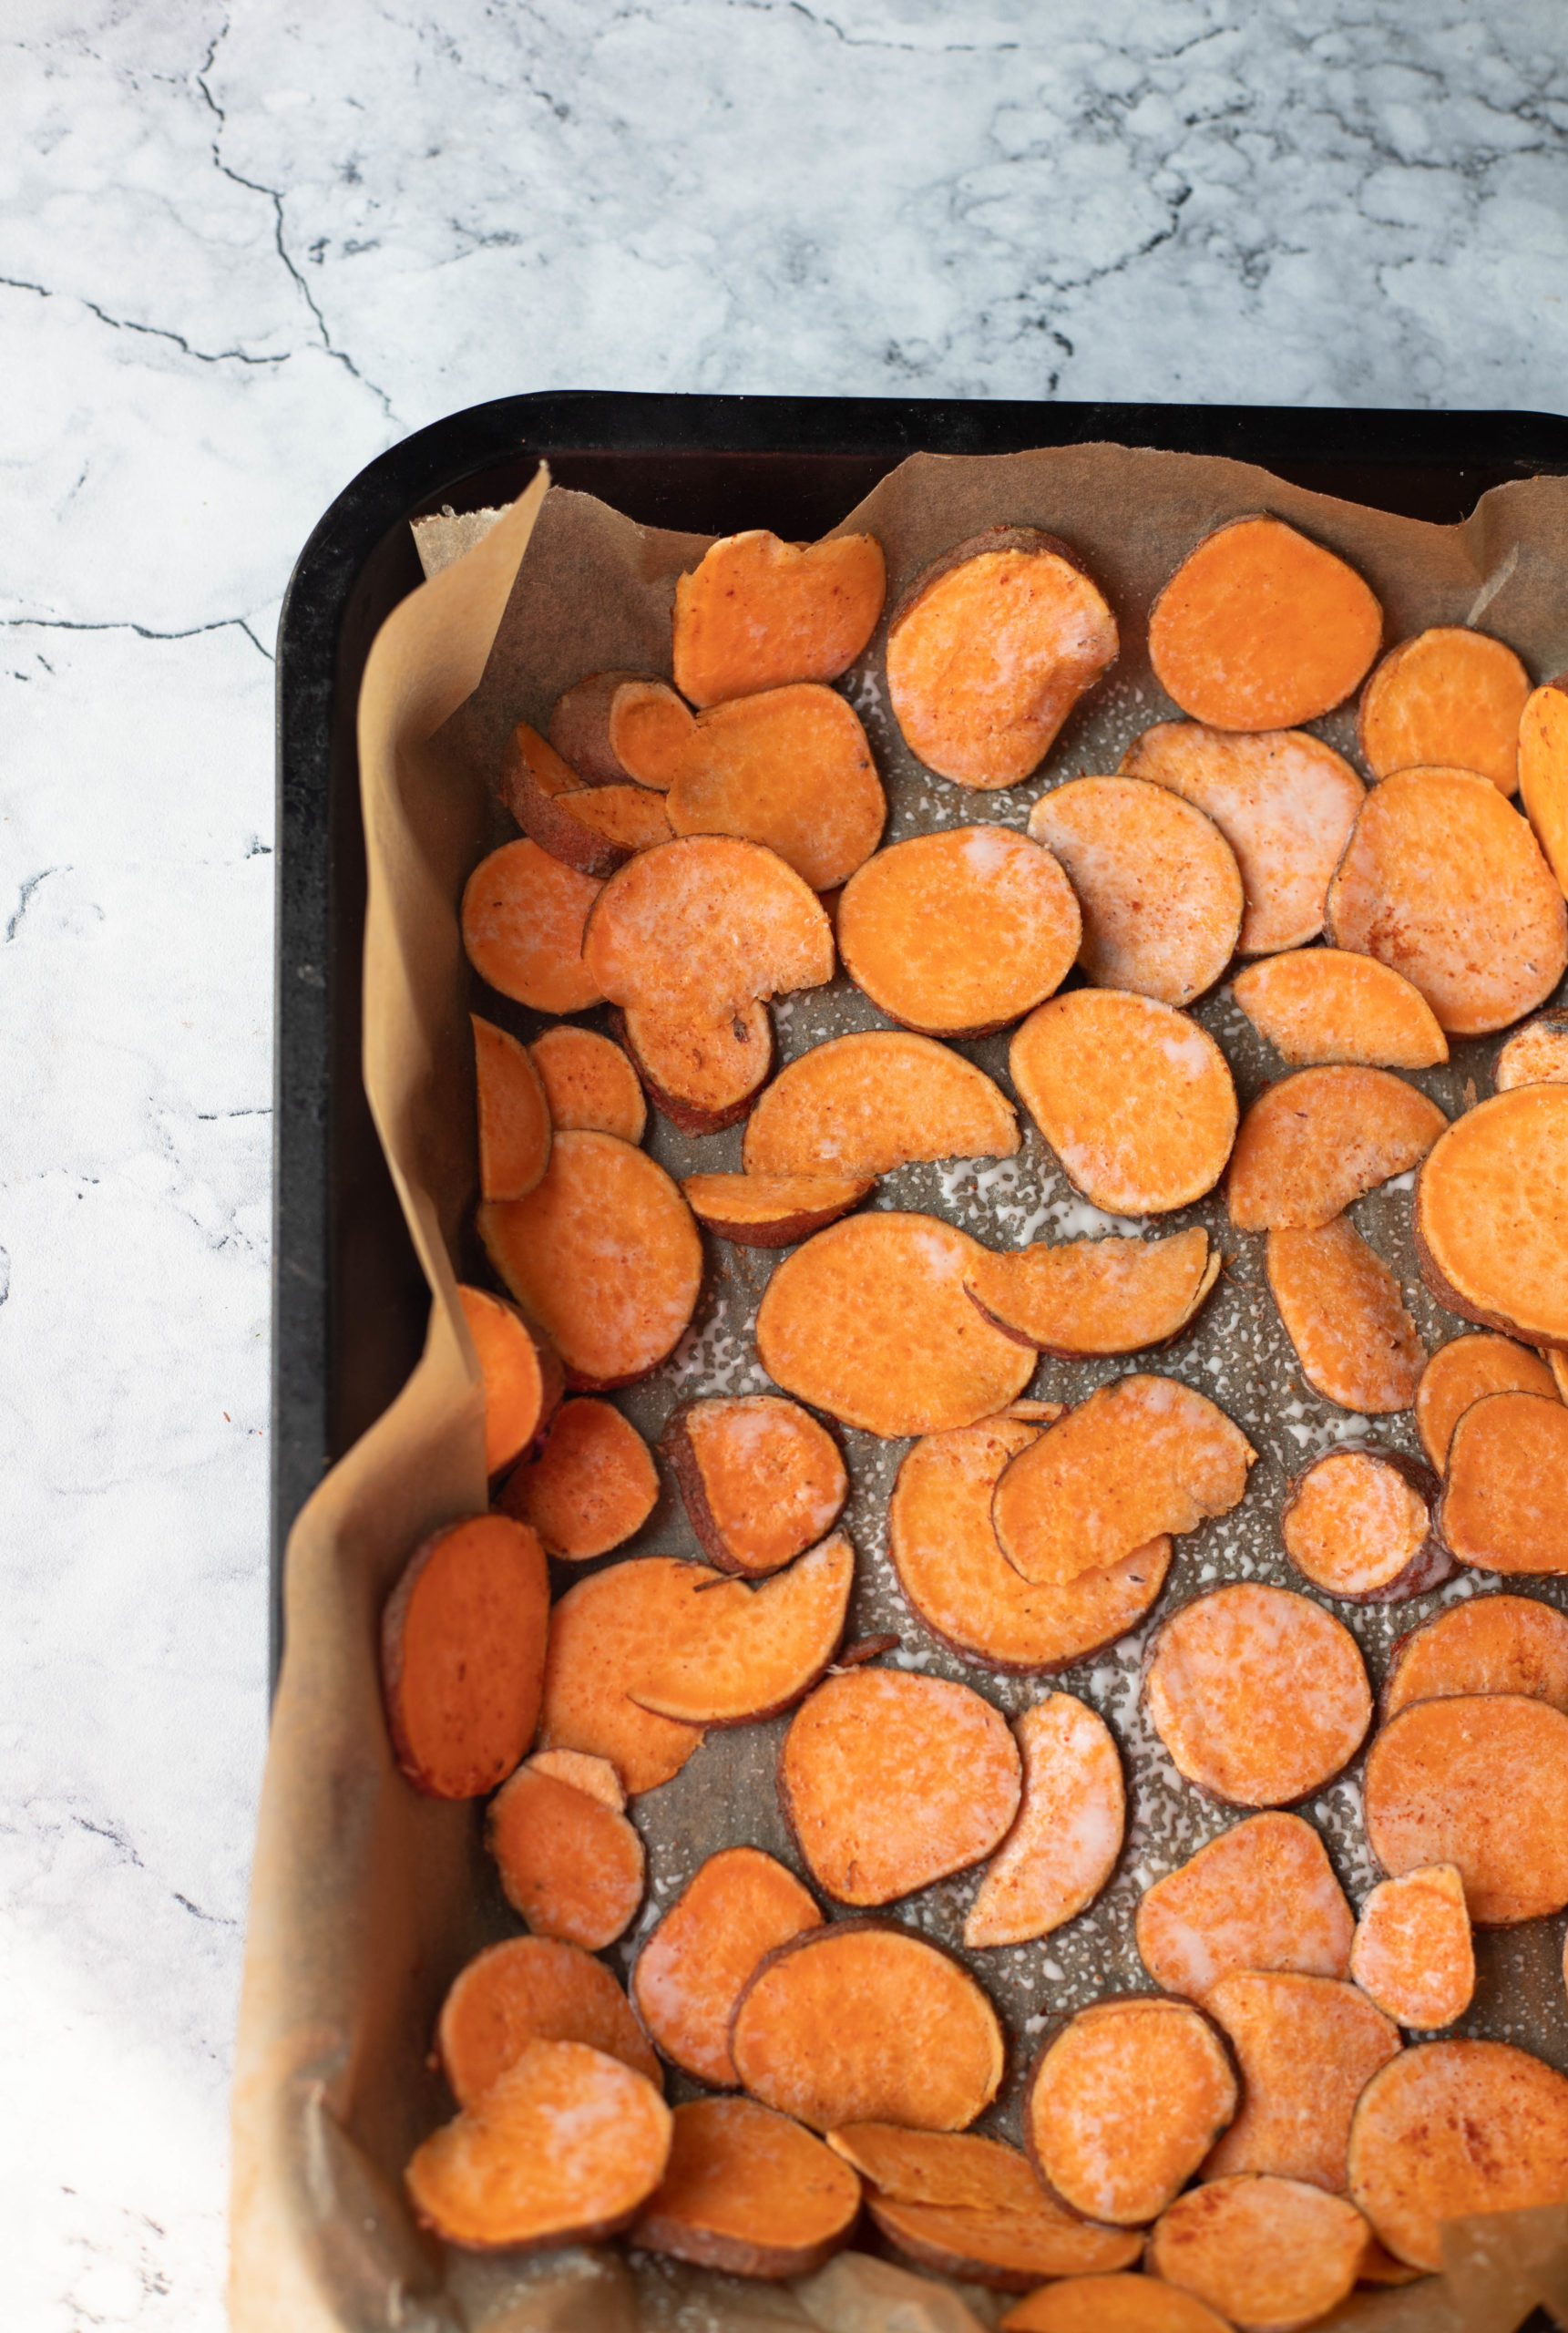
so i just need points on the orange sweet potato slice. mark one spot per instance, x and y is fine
(598, 1630)
(1261, 1895)
(771, 1210)
(1259, 1695)
(890, 1779)
(1490, 1202)
(1478, 1781)
(1097, 1296)
(604, 1255)
(761, 1478)
(731, 1651)
(596, 1776)
(1359, 1524)
(699, 929)
(589, 1084)
(1269, 2255)
(592, 1485)
(864, 2022)
(1537, 1055)
(1314, 1143)
(1453, 2129)
(1544, 771)
(1342, 1311)
(1066, 1834)
(463, 1655)
(869, 1321)
(748, 2192)
(1157, 882)
(1284, 801)
(1135, 1099)
(1139, 1458)
(1124, 2102)
(514, 1114)
(945, 2167)
(790, 767)
(1260, 628)
(1503, 1504)
(1460, 1373)
(860, 1106)
(971, 2207)
(1378, 2268)
(622, 729)
(1493, 1644)
(1449, 697)
(1413, 1953)
(1443, 879)
(570, 1866)
(593, 828)
(522, 1376)
(498, 2178)
(531, 1989)
(688, 1977)
(956, 1577)
(1323, 1004)
(757, 613)
(1121, 2304)
(960, 932)
(702, 1074)
(1307, 2047)
(523, 914)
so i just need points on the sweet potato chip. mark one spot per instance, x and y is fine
(702, 1074)
(1067, 1834)
(945, 2167)
(1460, 1373)
(514, 1114)
(771, 1210)
(1261, 629)
(1306, 2047)
(748, 2192)
(1505, 1501)
(522, 1376)
(570, 1866)
(1097, 1296)
(1493, 1644)
(599, 1631)
(523, 916)
(690, 1974)
(530, 1988)
(1544, 771)
(1111, 2305)
(732, 1652)
(595, 828)
(1314, 1143)
(989, 650)
(1378, 2268)
(761, 1478)
(622, 729)
(789, 767)
(1157, 882)
(1270, 2255)
(592, 1485)
(463, 1655)
(698, 929)
(1537, 1055)
(1009, 2250)
(1359, 1524)
(588, 1085)
(1261, 1895)
(860, 1106)
(1342, 1311)
(757, 613)
(1322, 1004)
(1413, 1953)
(1477, 1780)
(1491, 1203)
(1450, 696)
(1135, 1099)
(596, 1776)
(1124, 2102)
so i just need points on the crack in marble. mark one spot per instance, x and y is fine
(151, 332)
(24, 899)
(127, 623)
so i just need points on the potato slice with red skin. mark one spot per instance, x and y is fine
(589, 1084)
(1477, 1780)
(1450, 696)
(1341, 1308)
(859, 1105)
(757, 613)
(514, 1114)
(570, 1866)
(1314, 1143)
(1493, 1644)
(531, 1989)
(739, 1906)
(594, 830)
(1157, 882)
(591, 1486)
(1357, 1522)
(1307, 2047)
(522, 1373)
(1067, 1834)
(1271, 2254)
(761, 1478)
(524, 915)
(702, 927)
(622, 729)
(598, 1630)
(789, 767)
(1124, 2102)
(1413, 1953)
(463, 1655)
(749, 2193)
(1322, 1005)
(732, 1652)
(1505, 1501)
(1261, 1895)
(1490, 1204)
(700, 1074)
(1544, 771)
(771, 1210)
(1097, 1296)
(1537, 1055)
(1459, 1374)
(595, 1776)
(1117, 2304)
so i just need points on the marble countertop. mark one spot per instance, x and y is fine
(243, 251)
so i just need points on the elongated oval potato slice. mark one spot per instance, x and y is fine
(1124, 2103)
(859, 1105)
(862, 2021)
(1097, 1296)
(570, 1866)
(989, 650)
(688, 1977)
(1135, 1099)
(587, 1082)
(1261, 1895)
(890, 1779)
(1490, 1202)
(1449, 697)
(761, 1478)
(1139, 1458)
(1451, 2129)
(730, 1652)
(1493, 1644)
(531, 1989)
(599, 1631)
(603, 1255)
(1342, 1311)
(771, 1210)
(1443, 879)
(1259, 1695)
(622, 729)
(945, 2167)
(702, 1074)
(960, 932)
(514, 1115)
(523, 914)
(1359, 1524)
(1284, 801)
(522, 1374)
(592, 1485)
(789, 767)
(1314, 1143)
(748, 2192)
(1158, 884)
(1068, 1831)
(1306, 2047)
(1478, 1781)
(1117, 2304)
(1318, 1005)
(702, 927)
(1505, 1501)
(463, 1655)
(869, 1321)
(594, 830)
(1537, 1055)
(1460, 1373)
(1270, 2255)
(1006, 2249)
(1413, 1953)
(757, 613)
(597, 1776)
(1543, 772)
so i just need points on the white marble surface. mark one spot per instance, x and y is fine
(242, 250)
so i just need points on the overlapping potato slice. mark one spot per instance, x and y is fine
(1459, 1374)
(1115, 2304)
(1449, 697)
(1504, 1505)
(1544, 771)
(860, 1106)
(1097, 1296)
(598, 1632)
(748, 2192)
(1537, 1055)
(1124, 2102)
(1413, 1952)
(524, 915)
(771, 1210)
(729, 1652)
(699, 929)
(522, 1373)
(1490, 1205)
(532, 1988)
(1158, 884)
(1477, 1780)
(622, 729)
(1493, 1644)
(571, 1867)
(592, 1485)
(1314, 1143)
(515, 1117)
(1066, 1834)
(739, 1906)
(587, 1082)
(702, 1074)
(789, 767)
(1307, 2047)
(1270, 2255)
(761, 1479)
(1261, 1895)
(757, 613)
(593, 828)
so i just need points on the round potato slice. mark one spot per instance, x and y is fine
(1493, 1644)
(1413, 1953)
(1261, 1895)
(859, 1105)
(588, 1083)
(703, 1074)
(1158, 884)
(702, 927)
(1118, 2304)
(789, 767)
(1323, 1005)
(1490, 1201)
(1271, 2254)
(1477, 1780)
(1313, 1144)
(570, 1867)
(514, 1121)
(755, 612)
(1359, 1524)
(1124, 2103)
(1461, 1374)
(592, 1485)
(463, 1655)
(622, 729)
(1064, 1845)
(1449, 697)
(1537, 1055)
(1306, 2047)
(523, 914)
(532, 1988)
(1502, 1504)
(688, 1977)
(761, 1478)
(748, 2192)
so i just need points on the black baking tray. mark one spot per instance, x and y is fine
(349, 1303)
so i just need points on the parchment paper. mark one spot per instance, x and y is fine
(366, 1898)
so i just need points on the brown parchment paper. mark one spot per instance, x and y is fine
(366, 1898)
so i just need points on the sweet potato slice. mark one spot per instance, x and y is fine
(748, 2192)
(1270, 2255)
(1009, 2250)
(1157, 882)
(757, 613)
(593, 828)
(1314, 1143)
(604, 1255)
(1491, 1203)
(1460, 1373)
(1135, 1099)
(863, 2022)
(1306, 2047)
(1261, 1895)
(1477, 1780)
(890, 1779)
(1341, 1307)
(1443, 879)
(1322, 1004)
(1452, 2129)
(598, 1630)
(860, 1106)
(1378, 2268)
(1359, 1523)
(702, 1074)
(1260, 628)
(514, 1114)
(463, 1655)
(1537, 1055)
(1111, 2305)
(1449, 697)
(1259, 1695)
(588, 1085)
(732, 1652)
(622, 729)
(1124, 2103)
(790, 767)
(522, 1376)
(522, 914)
(1067, 1834)
(869, 1321)
(1139, 1458)
(499, 2178)
(1505, 1501)
(989, 650)
(1284, 801)
(700, 927)
(596, 1776)
(1097, 1296)
(955, 1575)
(1493, 1644)
(531, 1989)
(1413, 1953)
(1544, 771)
(771, 1210)
(592, 1485)
(945, 2167)
(690, 1974)
(570, 1866)
(761, 1478)
(960, 932)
